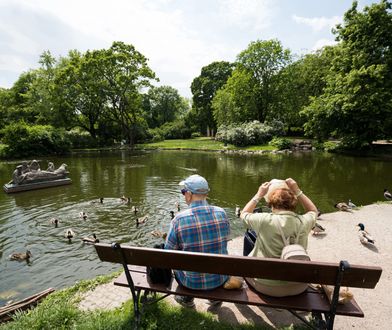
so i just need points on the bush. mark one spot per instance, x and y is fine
(81, 139)
(280, 143)
(23, 140)
(169, 131)
(253, 133)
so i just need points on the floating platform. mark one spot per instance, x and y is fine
(14, 188)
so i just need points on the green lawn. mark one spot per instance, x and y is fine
(202, 143)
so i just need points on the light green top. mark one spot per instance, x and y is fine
(269, 243)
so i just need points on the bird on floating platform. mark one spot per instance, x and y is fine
(342, 206)
(318, 229)
(158, 234)
(141, 220)
(90, 240)
(19, 256)
(69, 234)
(364, 236)
(351, 204)
(237, 211)
(55, 222)
(172, 214)
(387, 195)
(83, 215)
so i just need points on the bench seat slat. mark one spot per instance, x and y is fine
(276, 269)
(309, 301)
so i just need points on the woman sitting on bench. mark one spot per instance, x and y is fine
(283, 197)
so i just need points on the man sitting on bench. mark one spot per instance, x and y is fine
(201, 228)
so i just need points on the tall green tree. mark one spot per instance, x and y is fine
(204, 88)
(356, 105)
(162, 105)
(263, 59)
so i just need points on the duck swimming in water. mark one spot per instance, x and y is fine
(55, 222)
(125, 199)
(172, 214)
(135, 210)
(237, 211)
(100, 201)
(21, 256)
(141, 220)
(83, 215)
(157, 233)
(387, 195)
(90, 240)
(69, 234)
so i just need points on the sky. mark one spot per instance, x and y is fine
(178, 37)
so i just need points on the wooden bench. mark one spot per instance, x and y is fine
(135, 259)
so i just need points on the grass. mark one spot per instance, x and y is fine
(202, 143)
(59, 311)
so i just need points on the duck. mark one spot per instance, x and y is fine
(141, 220)
(69, 233)
(55, 222)
(387, 195)
(342, 206)
(21, 256)
(351, 204)
(83, 215)
(172, 215)
(100, 201)
(125, 199)
(237, 211)
(90, 240)
(364, 236)
(135, 210)
(177, 204)
(157, 233)
(318, 229)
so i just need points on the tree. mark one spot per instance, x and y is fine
(263, 60)
(162, 105)
(356, 105)
(204, 88)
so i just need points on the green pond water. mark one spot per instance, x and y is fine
(151, 180)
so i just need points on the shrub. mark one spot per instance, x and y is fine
(253, 133)
(281, 143)
(81, 139)
(176, 130)
(23, 140)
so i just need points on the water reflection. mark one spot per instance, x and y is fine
(151, 180)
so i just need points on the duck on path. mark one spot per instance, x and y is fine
(90, 240)
(318, 229)
(342, 206)
(351, 204)
(364, 236)
(387, 195)
(19, 256)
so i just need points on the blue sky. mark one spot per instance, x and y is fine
(178, 37)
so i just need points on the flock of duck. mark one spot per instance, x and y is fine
(364, 237)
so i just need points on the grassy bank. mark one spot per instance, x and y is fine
(60, 311)
(202, 143)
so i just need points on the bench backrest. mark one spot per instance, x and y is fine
(268, 268)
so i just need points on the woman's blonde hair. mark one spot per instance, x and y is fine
(283, 199)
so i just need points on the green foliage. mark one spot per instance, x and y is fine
(281, 143)
(252, 133)
(81, 140)
(23, 140)
(173, 130)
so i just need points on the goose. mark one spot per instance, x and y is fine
(69, 233)
(387, 195)
(351, 204)
(21, 256)
(90, 240)
(135, 210)
(364, 236)
(99, 201)
(125, 199)
(342, 206)
(237, 211)
(318, 229)
(172, 214)
(55, 222)
(83, 215)
(141, 220)
(157, 233)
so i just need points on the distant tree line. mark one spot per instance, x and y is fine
(102, 96)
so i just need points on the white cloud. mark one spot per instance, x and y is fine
(318, 23)
(323, 42)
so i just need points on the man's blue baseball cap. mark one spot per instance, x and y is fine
(196, 184)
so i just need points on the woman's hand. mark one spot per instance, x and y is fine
(263, 189)
(292, 185)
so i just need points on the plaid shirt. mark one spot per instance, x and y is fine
(201, 228)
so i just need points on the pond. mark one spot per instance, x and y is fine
(151, 180)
